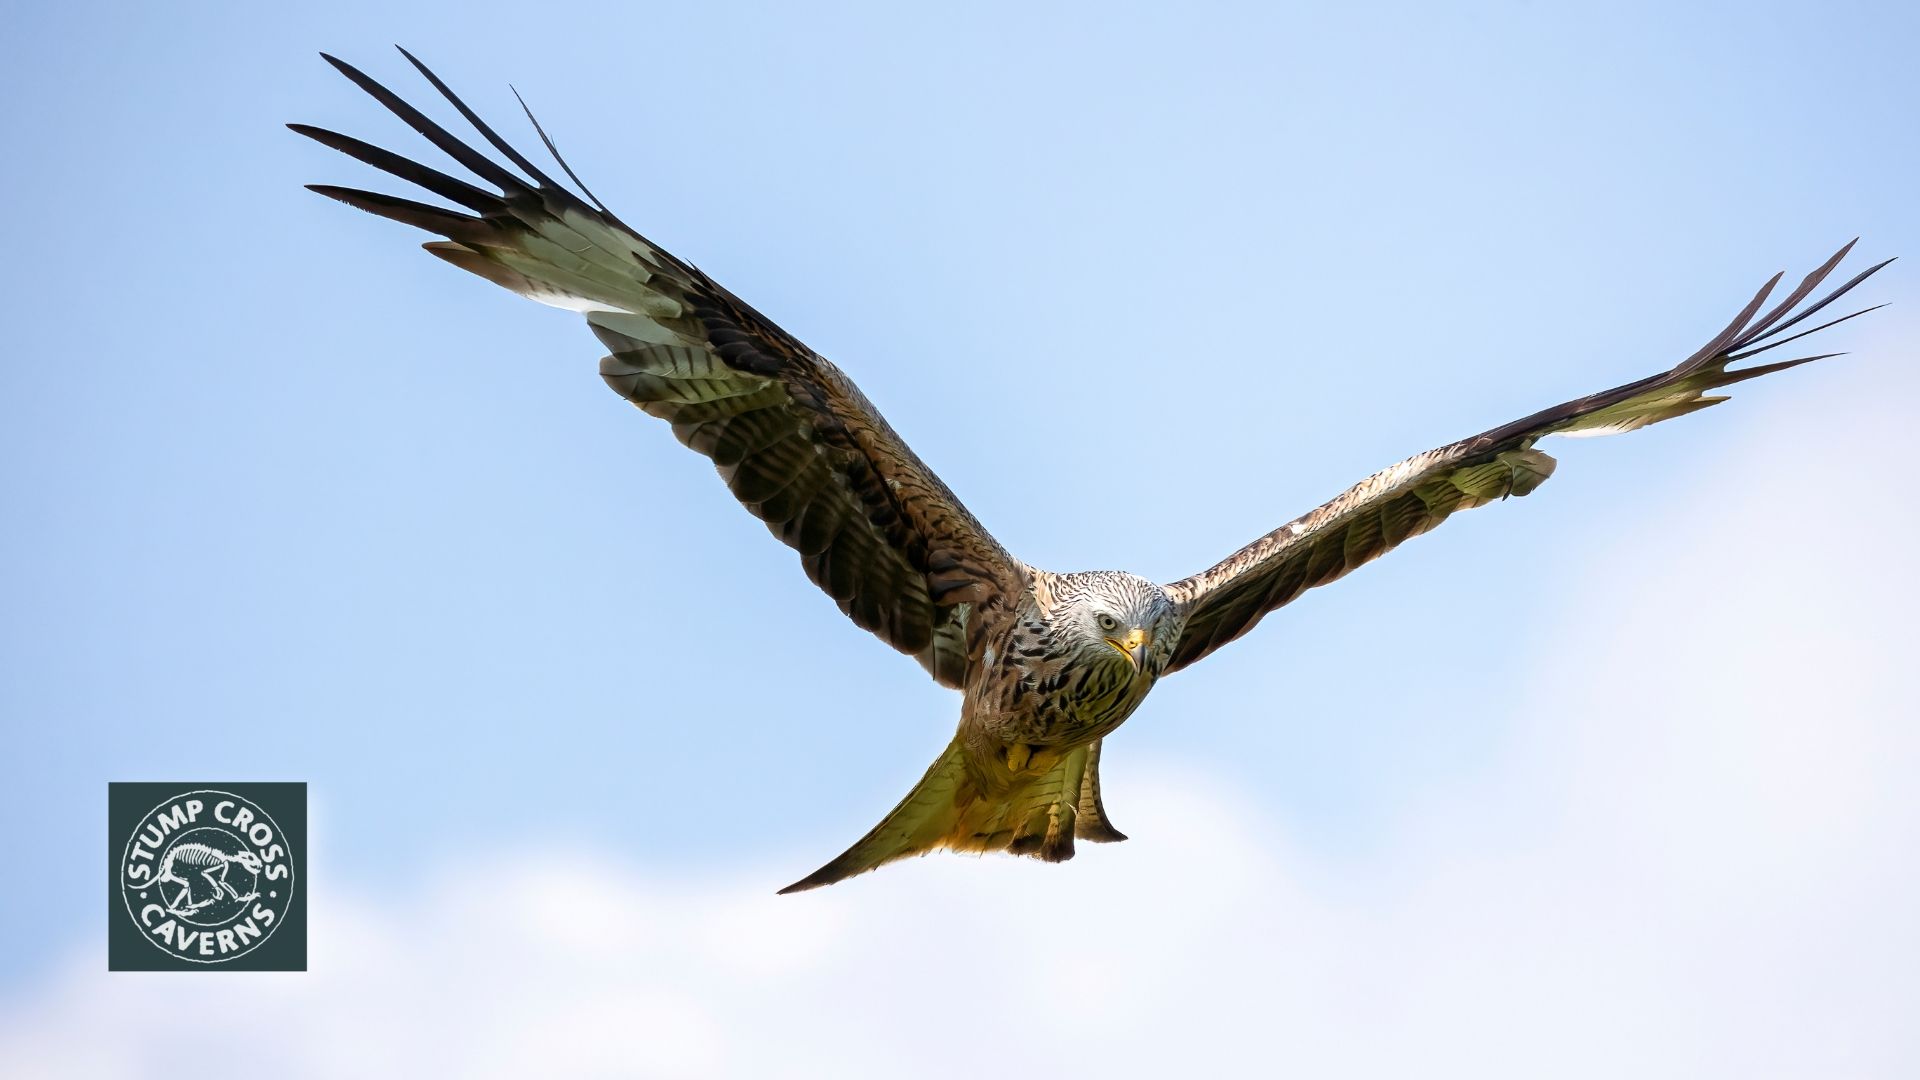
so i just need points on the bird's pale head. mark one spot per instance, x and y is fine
(1112, 617)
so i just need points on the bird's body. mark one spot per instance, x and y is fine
(1048, 664)
(1048, 682)
(1075, 657)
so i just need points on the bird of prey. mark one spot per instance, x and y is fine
(1048, 663)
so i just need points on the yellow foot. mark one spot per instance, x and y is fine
(1018, 755)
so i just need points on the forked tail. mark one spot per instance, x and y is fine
(966, 804)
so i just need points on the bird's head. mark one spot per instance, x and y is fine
(1113, 617)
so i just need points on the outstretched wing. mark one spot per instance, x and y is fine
(1375, 515)
(794, 439)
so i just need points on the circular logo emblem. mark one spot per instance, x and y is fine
(207, 876)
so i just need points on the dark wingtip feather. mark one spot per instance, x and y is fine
(1754, 338)
(1735, 357)
(481, 165)
(479, 125)
(1800, 292)
(405, 211)
(555, 151)
(587, 191)
(343, 67)
(407, 169)
(451, 145)
(1721, 341)
(1742, 375)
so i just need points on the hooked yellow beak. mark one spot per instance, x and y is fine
(1133, 647)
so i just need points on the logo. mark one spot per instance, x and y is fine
(206, 875)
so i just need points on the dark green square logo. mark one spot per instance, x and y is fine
(206, 876)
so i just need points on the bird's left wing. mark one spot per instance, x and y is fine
(1377, 514)
(796, 442)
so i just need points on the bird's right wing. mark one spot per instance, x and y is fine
(795, 440)
(1377, 514)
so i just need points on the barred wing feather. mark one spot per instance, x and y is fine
(794, 439)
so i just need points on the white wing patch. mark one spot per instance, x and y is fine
(566, 301)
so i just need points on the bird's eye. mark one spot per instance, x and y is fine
(1107, 622)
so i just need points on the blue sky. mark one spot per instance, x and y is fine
(290, 500)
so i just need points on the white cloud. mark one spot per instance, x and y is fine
(1702, 864)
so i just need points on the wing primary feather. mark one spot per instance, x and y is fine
(482, 166)
(1719, 342)
(555, 151)
(1823, 302)
(1800, 292)
(405, 211)
(447, 187)
(1734, 357)
(663, 253)
(480, 125)
(1755, 372)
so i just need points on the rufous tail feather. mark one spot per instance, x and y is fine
(966, 804)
